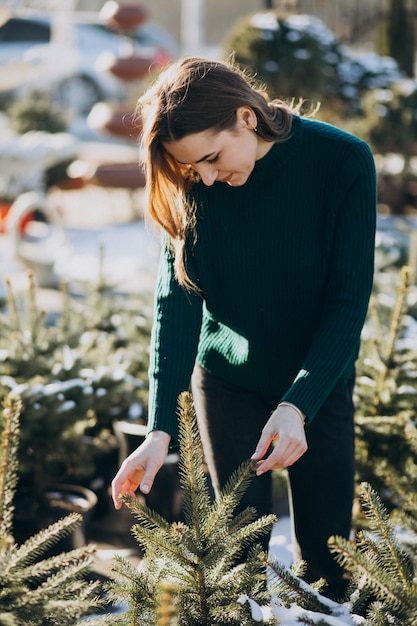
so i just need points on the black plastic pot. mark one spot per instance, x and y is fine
(58, 501)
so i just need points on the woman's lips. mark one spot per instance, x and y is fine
(226, 180)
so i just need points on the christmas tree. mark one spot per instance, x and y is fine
(193, 574)
(75, 375)
(201, 557)
(36, 591)
(381, 566)
(386, 394)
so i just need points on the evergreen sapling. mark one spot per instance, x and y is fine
(36, 591)
(202, 556)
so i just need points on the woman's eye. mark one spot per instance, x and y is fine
(214, 159)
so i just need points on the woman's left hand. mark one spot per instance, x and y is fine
(286, 427)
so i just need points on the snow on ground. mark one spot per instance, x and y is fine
(91, 218)
(280, 545)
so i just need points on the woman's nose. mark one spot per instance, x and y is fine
(208, 175)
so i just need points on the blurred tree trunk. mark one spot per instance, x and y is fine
(269, 4)
(401, 36)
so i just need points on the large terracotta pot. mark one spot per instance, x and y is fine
(124, 175)
(121, 121)
(125, 17)
(130, 67)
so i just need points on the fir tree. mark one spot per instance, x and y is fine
(200, 556)
(189, 575)
(69, 398)
(380, 565)
(385, 397)
(36, 591)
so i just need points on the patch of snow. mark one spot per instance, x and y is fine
(265, 21)
(302, 54)
(280, 544)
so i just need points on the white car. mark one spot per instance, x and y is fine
(43, 53)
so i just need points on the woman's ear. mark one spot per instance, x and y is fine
(246, 117)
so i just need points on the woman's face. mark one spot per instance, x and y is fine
(227, 156)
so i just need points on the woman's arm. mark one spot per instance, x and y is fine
(174, 343)
(334, 348)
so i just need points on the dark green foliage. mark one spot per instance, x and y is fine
(200, 556)
(36, 112)
(74, 376)
(381, 566)
(36, 591)
(198, 559)
(297, 56)
(391, 119)
(386, 394)
(292, 62)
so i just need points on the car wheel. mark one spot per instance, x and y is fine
(78, 94)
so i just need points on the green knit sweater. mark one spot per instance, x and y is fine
(285, 264)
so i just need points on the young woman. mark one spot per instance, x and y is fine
(266, 269)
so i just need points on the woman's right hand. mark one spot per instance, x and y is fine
(140, 468)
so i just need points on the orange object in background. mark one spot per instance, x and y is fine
(4, 210)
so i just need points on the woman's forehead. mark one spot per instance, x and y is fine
(196, 147)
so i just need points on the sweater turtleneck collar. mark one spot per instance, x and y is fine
(281, 151)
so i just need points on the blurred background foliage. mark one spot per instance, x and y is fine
(362, 77)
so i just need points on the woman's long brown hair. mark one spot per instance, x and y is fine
(191, 96)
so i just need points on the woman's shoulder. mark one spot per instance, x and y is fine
(318, 130)
(336, 144)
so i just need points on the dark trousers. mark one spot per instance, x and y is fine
(321, 482)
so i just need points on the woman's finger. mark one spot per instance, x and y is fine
(126, 480)
(281, 456)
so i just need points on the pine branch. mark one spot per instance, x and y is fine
(164, 546)
(221, 514)
(50, 566)
(12, 309)
(34, 547)
(363, 565)
(60, 583)
(146, 516)
(395, 559)
(191, 467)
(8, 467)
(388, 354)
(291, 588)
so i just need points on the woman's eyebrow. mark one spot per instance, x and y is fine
(207, 156)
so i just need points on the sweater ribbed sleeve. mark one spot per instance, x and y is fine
(174, 342)
(335, 344)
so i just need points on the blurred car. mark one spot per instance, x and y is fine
(61, 58)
